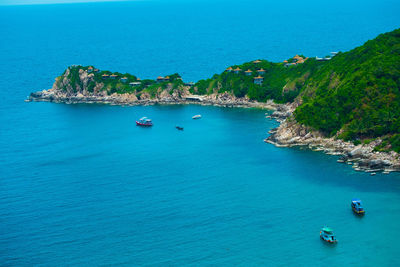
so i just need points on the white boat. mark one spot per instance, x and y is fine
(196, 117)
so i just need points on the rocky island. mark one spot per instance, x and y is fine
(345, 104)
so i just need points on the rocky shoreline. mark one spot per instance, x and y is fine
(164, 98)
(362, 157)
(289, 133)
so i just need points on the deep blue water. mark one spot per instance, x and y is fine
(82, 185)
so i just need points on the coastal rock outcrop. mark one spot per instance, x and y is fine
(362, 157)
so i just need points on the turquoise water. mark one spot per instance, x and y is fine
(82, 185)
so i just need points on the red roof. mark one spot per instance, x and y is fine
(248, 71)
(256, 61)
(237, 69)
(258, 77)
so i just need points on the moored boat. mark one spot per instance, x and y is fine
(179, 128)
(356, 206)
(196, 117)
(144, 122)
(327, 235)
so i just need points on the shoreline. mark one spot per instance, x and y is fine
(362, 157)
(288, 134)
(220, 100)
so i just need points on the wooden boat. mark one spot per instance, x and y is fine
(356, 206)
(327, 235)
(144, 122)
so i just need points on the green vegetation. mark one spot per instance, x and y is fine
(115, 82)
(283, 84)
(356, 95)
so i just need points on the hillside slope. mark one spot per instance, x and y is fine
(356, 95)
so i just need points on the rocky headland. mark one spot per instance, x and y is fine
(63, 91)
(362, 157)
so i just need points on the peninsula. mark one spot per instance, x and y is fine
(347, 103)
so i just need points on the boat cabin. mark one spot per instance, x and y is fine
(144, 121)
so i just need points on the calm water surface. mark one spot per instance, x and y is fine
(82, 185)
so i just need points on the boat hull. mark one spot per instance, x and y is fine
(358, 212)
(329, 241)
(328, 238)
(143, 124)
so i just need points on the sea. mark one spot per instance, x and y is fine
(81, 185)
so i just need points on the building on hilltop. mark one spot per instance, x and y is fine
(258, 80)
(189, 84)
(135, 83)
(237, 70)
(261, 71)
(248, 72)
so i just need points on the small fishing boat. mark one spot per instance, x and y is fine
(327, 235)
(144, 122)
(356, 206)
(196, 117)
(179, 128)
